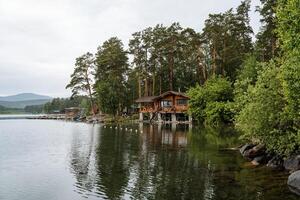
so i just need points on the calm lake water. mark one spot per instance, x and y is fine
(57, 160)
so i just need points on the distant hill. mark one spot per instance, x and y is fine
(23, 100)
(25, 97)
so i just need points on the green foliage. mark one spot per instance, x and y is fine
(211, 103)
(263, 119)
(246, 79)
(167, 58)
(228, 36)
(271, 114)
(219, 112)
(59, 104)
(291, 85)
(266, 43)
(288, 20)
(81, 80)
(111, 68)
(197, 102)
(111, 60)
(4, 110)
(218, 89)
(34, 109)
(108, 96)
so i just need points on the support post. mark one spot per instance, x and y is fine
(141, 116)
(141, 127)
(190, 119)
(173, 116)
(159, 117)
(190, 127)
(173, 127)
(151, 115)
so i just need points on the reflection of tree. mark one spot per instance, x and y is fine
(209, 145)
(82, 159)
(166, 171)
(160, 163)
(112, 163)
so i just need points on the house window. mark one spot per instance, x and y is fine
(166, 103)
(182, 102)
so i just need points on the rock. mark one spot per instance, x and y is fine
(245, 147)
(254, 162)
(276, 163)
(292, 163)
(256, 151)
(294, 182)
(259, 160)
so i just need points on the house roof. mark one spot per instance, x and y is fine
(149, 99)
(174, 93)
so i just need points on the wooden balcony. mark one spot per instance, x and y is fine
(172, 109)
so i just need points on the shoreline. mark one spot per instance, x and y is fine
(259, 156)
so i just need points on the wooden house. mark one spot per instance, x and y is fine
(170, 106)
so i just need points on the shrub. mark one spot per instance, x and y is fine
(211, 103)
(246, 79)
(219, 112)
(263, 119)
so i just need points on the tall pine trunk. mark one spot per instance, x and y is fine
(171, 70)
(139, 86)
(224, 59)
(153, 84)
(90, 93)
(214, 60)
(201, 67)
(146, 93)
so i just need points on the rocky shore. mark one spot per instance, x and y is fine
(258, 155)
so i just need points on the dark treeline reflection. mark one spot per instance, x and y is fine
(166, 162)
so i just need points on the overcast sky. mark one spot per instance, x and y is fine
(40, 39)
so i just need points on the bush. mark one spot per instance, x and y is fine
(219, 112)
(211, 103)
(246, 79)
(263, 119)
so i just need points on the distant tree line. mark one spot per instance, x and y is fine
(34, 109)
(58, 105)
(5, 110)
(229, 78)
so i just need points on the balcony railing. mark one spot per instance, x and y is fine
(176, 108)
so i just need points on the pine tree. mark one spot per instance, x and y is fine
(266, 43)
(81, 80)
(111, 69)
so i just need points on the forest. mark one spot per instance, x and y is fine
(231, 75)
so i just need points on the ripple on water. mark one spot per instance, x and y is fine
(61, 160)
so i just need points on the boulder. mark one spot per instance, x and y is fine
(276, 163)
(255, 163)
(294, 182)
(256, 151)
(292, 163)
(259, 160)
(245, 148)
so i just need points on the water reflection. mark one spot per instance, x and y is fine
(166, 162)
(82, 159)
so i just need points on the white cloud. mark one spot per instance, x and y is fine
(40, 39)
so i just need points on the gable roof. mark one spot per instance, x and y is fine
(150, 99)
(172, 93)
(146, 99)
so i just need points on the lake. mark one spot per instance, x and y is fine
(58, 160)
